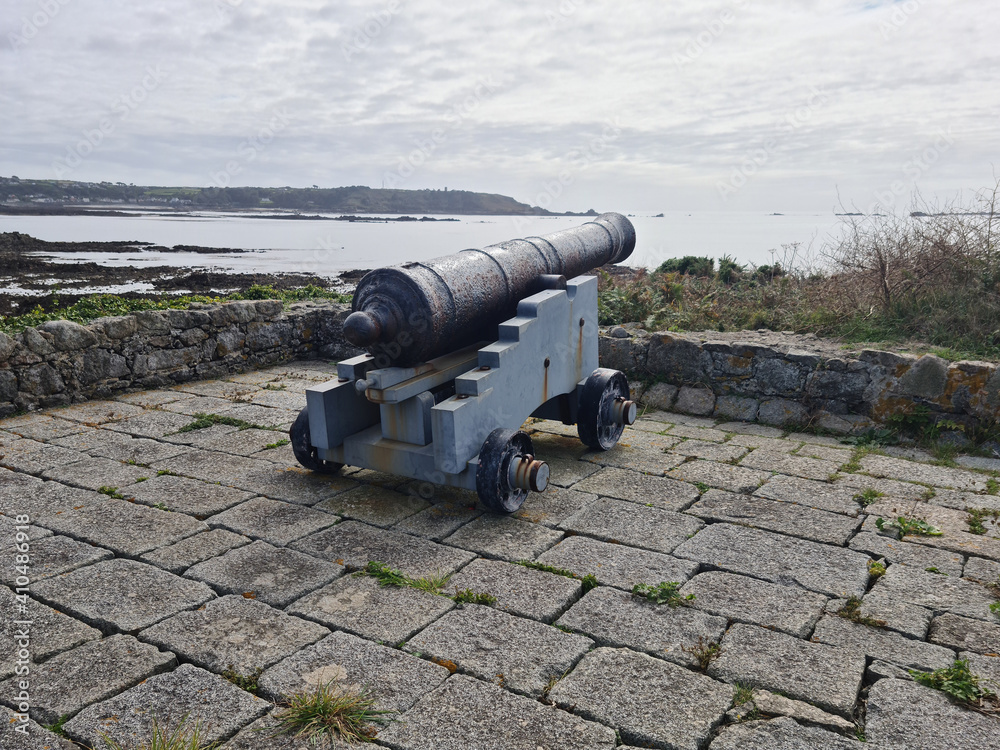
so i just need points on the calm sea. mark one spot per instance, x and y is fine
(326, 248)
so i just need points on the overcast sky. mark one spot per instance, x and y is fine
(632, 106)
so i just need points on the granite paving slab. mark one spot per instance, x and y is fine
(965, 634)
(205, 437)
(95, 473)
(822, 568)
(649, 702)
(881, 644)
(194, 497)
(783, 518)
(151, 399)
(909, 619)
(374, 505)
(891, 487)
(518, 590)
(936, 592)
(721, 452)
(905, 553)
(565, 472)
(188, 694)
(779, 734)
(42, 427)
(640, 488)
(812, 494)
(521, 655)
(121, 595)
(826, 676)
(396, 679)
(198, 405)
(765, 443)
(53, 555)
(119, 446)
(356, 544)
(721, 476)
(209, 466)
(615, 564)
(794, 465)
(32, 457)
(552, 507)
(293, 485)
(98, 412)
(772, 704)
(182, 555)
(87, 674)
(912, 471)
(711, 434)
(248, 442)
(786, 608)
(274, 575)
(981, 570)
(233, 633)
(632, 524)
(359, 605)
(439, 520)
(985, 667)
(751, 429)
(903, 715)
(267, 733)
(504, 538)
(490, 717)
(274, 521)
(637, 458)
(615, 618)
(50, 631)
(18, 732)
(125, 528)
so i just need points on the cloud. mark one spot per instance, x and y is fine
(791, 99)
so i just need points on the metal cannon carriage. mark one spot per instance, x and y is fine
(461, 350)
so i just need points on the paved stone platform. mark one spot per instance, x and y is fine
(159, 560)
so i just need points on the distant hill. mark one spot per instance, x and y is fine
(15, 192)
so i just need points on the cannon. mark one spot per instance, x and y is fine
(461, 350)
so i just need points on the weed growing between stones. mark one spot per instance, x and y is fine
(702, 487)
(992, 486)
(471, 597)
(166, 473)
(958, 682)
(976, 517)
(909, 526)
(246, 682)
(278, 444)
(589, 581)
(159, 739)
(203, 421)
(666, 592)
(876, 569)
(867, 497)
(111, 492)
(852, 611)
(328, 713)
(935, 570)
(57, 727)
(704, 652)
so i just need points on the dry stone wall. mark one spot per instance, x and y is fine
(774, 378)
(793, 380)
(60, 362)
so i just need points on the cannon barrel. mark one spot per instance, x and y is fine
(414, 312)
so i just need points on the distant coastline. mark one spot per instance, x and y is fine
(67, 197)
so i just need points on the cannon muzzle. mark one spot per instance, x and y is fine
(413, 312)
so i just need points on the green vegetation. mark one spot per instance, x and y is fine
(101, 305)
(876, 569)
(327, 714)
(166, 473)
(704, 652)
(203, 421)
(246, 682)
(959, 683)
(932, 278)
(589, 581)
(111, 492)
(386, 576)
(977, 516)
(278, 444)
(159, 739)
(471, 597)
(868, 496)
(909, 526)
(852, 611)
(663, 593)
(57, 727)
